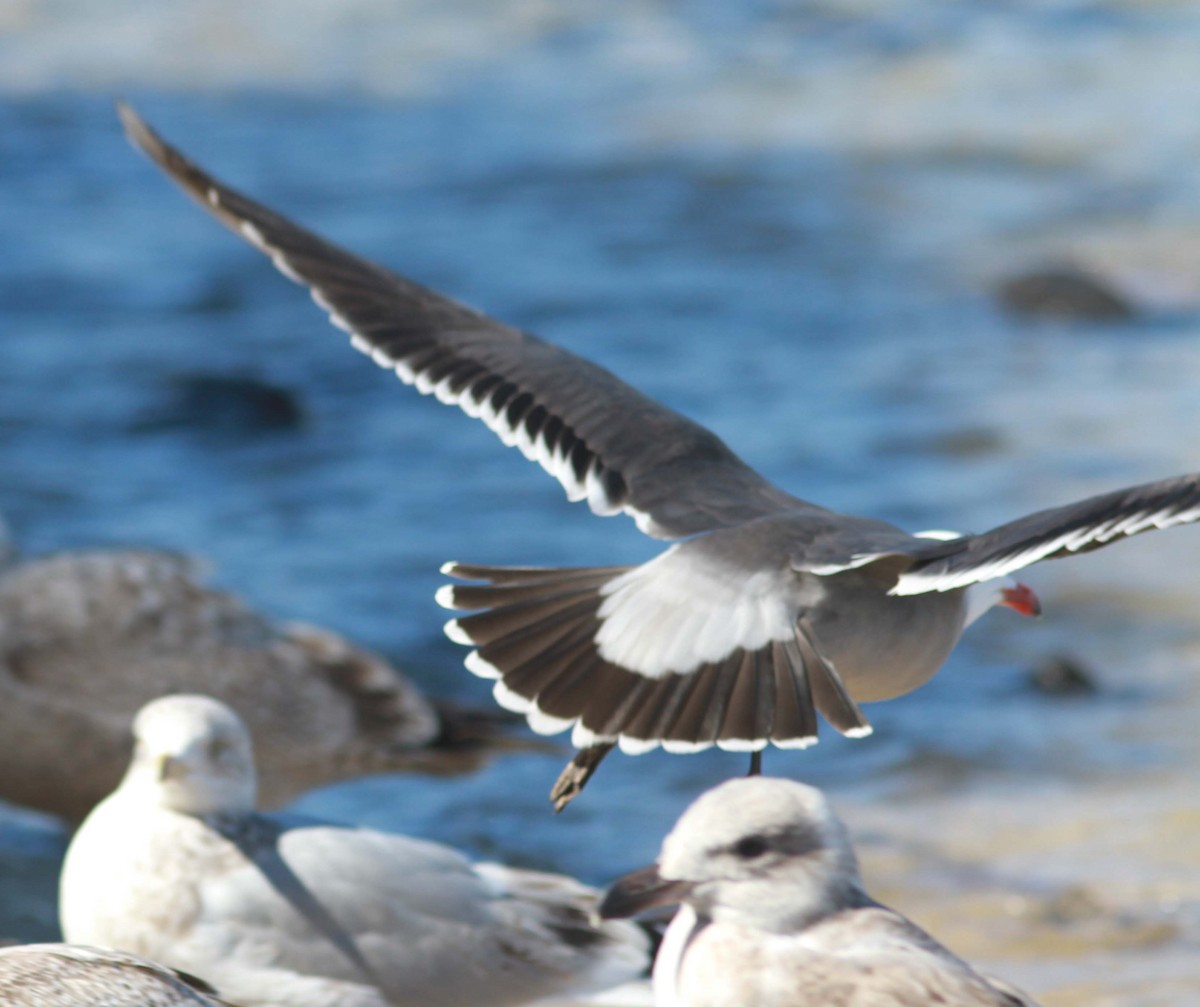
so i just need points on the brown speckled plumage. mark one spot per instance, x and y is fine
(65, 975)
(87, 638)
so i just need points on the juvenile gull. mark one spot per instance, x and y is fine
(766, 610)
(87, 638)
(68, 975)
(774, 914)
(177, 866)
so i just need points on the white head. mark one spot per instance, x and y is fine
(192, 754)
(763, 852)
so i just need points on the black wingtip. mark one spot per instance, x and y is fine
(196, 182)
(138, 132)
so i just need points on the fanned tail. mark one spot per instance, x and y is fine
(534, 631)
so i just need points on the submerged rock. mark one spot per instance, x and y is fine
(1062, 675)
(225, 404)
(1064, 292)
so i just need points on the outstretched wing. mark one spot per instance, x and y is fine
(603, 440)
(1049, 534)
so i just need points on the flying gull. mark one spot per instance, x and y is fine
(765, 610)
(88, 637)
(68, 975)
(773, 913)
(176, 865)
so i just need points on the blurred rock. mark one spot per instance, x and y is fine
(88, 638)
(1152, 264)
(1072, 904)
(1064, 292)
(1062, 675)
(233, 405)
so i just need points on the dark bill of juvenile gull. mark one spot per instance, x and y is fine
(177, 865)
(773, 913)
(69, 975)
(88, 637)
(767, 609)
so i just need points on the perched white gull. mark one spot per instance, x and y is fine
(774, 914)
(87, 638)
(176, 865)
(69, 975)
(767, 609)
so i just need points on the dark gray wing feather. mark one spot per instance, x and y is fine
(1049, 534)
(603, 440)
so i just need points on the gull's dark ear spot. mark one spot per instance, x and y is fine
(750, 847)
(218, 748)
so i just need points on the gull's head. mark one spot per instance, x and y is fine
(193, 755)
(764, 852)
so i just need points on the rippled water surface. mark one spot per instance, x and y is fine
(787, 223)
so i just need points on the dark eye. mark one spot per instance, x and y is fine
(750, 847)
(217, 748)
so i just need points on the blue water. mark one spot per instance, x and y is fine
(816, 306)
(756, 294)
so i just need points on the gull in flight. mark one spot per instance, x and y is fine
(765, 610)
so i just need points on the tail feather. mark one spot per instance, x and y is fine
(538, 646)
(748, 715)
(543, 614)
(616, 723)
(795, 715)
(536, 630)
(609, 688)
(534, 678)
(829, 691)
(698, 690)
(650, 721)
(764, 701)
(573, 688)
(506, 575)
(725, 676)
(476, 596)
